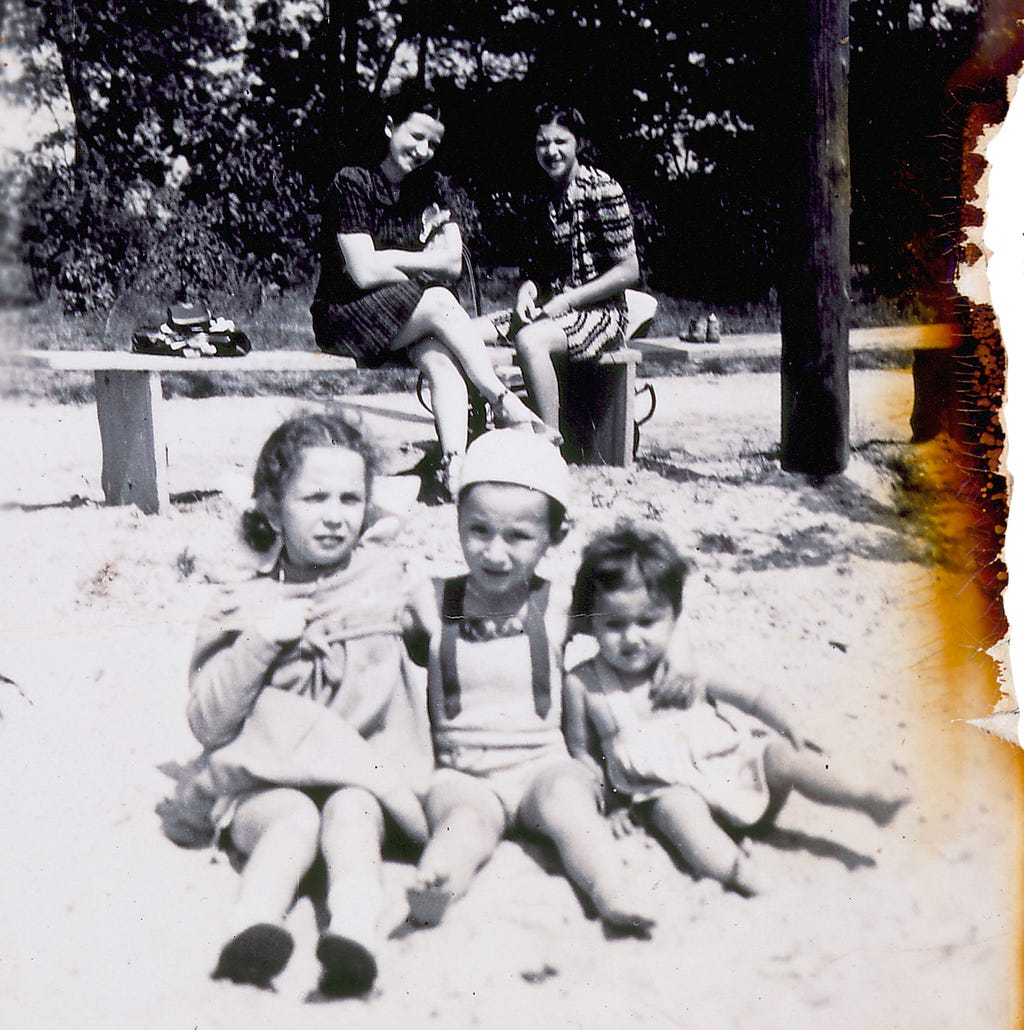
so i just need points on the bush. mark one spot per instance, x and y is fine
(87, 234)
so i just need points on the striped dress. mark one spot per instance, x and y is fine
(572, 238)
(362, 323)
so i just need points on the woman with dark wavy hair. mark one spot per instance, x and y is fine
(388, 247)
(579, 259)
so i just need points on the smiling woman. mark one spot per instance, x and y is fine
(389, 247)
(579, 261)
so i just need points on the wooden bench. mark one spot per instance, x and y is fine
(129, 397)
(931, 350)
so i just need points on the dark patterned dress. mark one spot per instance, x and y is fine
(362, 323)
(572, 238)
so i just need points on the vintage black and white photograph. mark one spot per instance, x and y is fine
(506, 508)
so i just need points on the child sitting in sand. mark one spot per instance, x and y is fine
(297, 692)
(690, 771)
(494, 692)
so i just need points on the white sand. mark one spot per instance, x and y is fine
(107, 924)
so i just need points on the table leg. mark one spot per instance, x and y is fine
(128, 406)
(935, 401)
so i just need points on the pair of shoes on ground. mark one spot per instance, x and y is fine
(260, 952)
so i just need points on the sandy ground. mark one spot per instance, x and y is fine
(107, 924)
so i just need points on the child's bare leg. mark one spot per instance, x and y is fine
(816, 777)
(562, 805)
(683, 816)
(351, 834)
(467, 822)
(278, 830)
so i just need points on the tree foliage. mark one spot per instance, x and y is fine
(203, 130)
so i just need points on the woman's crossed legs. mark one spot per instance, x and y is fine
(439, 316)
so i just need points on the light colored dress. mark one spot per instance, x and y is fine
(339, 706)
(649, 750)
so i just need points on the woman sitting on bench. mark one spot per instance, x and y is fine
(388, 245)
(580, 260)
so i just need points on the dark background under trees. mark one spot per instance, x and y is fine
(202, 133)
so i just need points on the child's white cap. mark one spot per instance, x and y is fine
(517, 456)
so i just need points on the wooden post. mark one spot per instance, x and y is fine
(815, 252)
(134, 461)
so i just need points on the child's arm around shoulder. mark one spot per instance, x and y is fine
(575, 721)
(236, 645)
(677, 680)
(421, 621)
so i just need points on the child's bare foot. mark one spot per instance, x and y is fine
(623, 909)
(349, 967)
(745, 880)
(429, 898)
(883, 809)
(255, 956)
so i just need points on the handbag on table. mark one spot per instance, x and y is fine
(191, 332)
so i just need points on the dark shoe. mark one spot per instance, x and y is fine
(349, 969)
(255, 956)
(433, 490)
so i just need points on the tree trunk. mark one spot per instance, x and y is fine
(61, 28)
(353, 11)
(421, 63)
(815, 247)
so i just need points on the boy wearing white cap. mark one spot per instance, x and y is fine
(495, 691)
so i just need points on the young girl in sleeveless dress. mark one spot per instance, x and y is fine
(692, 771)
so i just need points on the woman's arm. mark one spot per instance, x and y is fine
(441, 257)
(369, 268)
(526, 302)
(619, 277)
(607, 228)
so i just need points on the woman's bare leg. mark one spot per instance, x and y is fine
(467, 823)
(535, 345)
(683, 816)
(449, 397)
(562, 805)
(439, 315)
(816, 777)
(351, 834)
